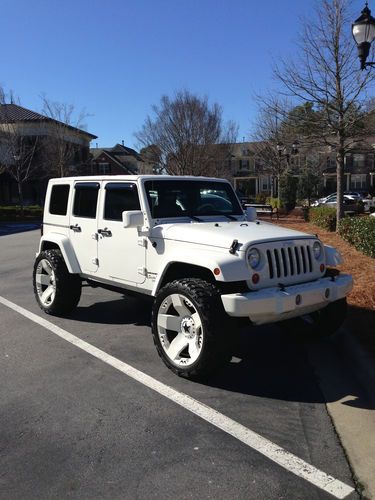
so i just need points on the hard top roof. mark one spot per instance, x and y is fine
(127, 178)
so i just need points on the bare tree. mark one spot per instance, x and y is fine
(60, 144)
(324, 73)
(272, 137)
(188, 136)
(17, 148)
(18, 152)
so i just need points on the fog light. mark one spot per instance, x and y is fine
(255, 278)
(326, 293)
(298, 299)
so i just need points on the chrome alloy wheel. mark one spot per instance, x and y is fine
(45, 282)
(180, 330)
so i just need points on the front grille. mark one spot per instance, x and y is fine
(294, 260)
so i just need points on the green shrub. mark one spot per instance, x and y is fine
(359, 232)
(13, 212)
(274, 202)
(261, 198)
(324, 217)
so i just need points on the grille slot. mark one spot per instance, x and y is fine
(294, 260)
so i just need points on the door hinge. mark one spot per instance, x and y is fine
(142, 242)
(94, 236)
(95, 261)
(142, 271)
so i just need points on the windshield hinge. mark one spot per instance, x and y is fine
(233, 247)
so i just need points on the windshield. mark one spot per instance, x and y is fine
(173, 198)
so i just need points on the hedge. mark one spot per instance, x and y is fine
(359, 232)
(13, 212)
(324, 217)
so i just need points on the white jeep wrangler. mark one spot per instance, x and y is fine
(186, 242)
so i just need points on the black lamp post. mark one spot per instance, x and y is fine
(363, 30)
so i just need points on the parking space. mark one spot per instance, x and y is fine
(74, 425)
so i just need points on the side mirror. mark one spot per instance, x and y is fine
(132, 218)
(251, 214)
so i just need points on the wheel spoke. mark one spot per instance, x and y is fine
(197, 320)
(179, 305)
(169, 322)
(193, 348)
(42, 279)
(177, 345)
(48, 292)
(47, 267)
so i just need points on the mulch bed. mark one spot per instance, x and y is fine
(361, 300)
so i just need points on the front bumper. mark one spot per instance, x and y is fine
(274, 304)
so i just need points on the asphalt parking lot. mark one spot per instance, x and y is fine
(76, 424)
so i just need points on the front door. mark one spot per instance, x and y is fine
(83, 225)
(121, 251)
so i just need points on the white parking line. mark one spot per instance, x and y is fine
(275, 453)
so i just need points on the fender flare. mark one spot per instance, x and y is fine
(66, 249)
(232, 268)
(333, 256)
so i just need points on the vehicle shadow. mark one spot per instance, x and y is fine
(271, 363)
(121, 311)
(7, 228)
(267, 361)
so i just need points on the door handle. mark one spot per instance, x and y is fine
(76, 228)
(105, 232)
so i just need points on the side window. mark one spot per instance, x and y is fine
(118, 198)
(59, 199)
(85, 199)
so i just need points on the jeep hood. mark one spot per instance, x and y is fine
(221, 234)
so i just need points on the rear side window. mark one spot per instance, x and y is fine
(118, 198)
(59, 199)
(85, 199)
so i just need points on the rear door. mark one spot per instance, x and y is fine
(121, 251)
(83, 225)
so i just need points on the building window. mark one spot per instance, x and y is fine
(244, 164)
(359, 160)
(264, 183)
(358, 181)
(104, 168)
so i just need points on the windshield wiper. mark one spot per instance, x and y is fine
(228, 216)
(194, 217)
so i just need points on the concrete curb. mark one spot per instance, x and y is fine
(361, 362)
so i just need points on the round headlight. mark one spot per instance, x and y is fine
(317, 249)
(253, 257)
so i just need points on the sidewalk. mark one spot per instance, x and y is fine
(348, 360)
(342, 362)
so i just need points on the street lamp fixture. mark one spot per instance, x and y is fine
(363, 30)
(281, 148)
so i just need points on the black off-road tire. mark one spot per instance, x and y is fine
(320, 324)
(206, 301)
(67, 286)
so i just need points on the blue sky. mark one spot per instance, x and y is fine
(116, 58)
